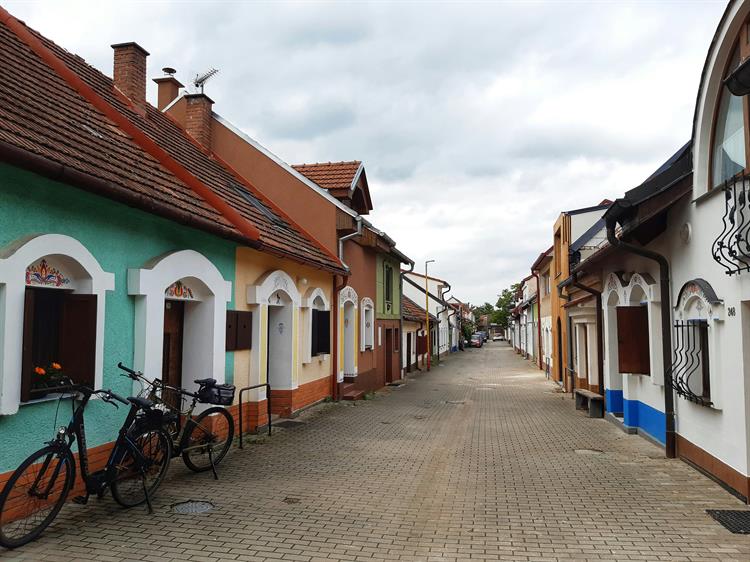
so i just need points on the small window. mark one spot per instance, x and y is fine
(728, 156)
(397, 342)
(321, 332)
(368, 328)
(691, 368)
(59, 340)
(388, 280)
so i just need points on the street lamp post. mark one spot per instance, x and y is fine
(427, 313)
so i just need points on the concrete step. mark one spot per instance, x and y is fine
(353, 394)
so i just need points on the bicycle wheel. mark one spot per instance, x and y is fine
(34, 495)
(208, 435)
(133, 477)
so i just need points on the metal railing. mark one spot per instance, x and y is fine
(731, 249)
(268, 405)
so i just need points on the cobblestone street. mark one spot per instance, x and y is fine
(479, 459)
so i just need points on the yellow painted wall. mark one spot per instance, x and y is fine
(251, 265)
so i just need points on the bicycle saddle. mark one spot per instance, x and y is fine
(140, 402)
(207, 382)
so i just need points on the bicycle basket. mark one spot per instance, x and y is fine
(219, 394)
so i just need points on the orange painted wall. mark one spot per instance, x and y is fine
(363, 262)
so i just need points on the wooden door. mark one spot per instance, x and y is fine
(388, 355)
(408, 353)
(174, 322)
(632, 340)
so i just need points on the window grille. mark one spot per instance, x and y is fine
(731, 249)
(690, 367)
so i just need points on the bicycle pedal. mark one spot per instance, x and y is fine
(81, 500)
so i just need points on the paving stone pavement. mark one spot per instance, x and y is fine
(480, 459)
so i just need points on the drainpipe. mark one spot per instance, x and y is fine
(401, 319)
(614, 215)
(538, 319)
(336, 290)
(443, 292)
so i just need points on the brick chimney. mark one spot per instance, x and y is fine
(198, 118)
(130, 72)
(168, 90)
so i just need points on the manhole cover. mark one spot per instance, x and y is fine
(397, 383)
(735, 521)
(288, 423)
(455, 402)
(589, 451)
(192, 506)
(386, 422)
(291, 500)
(419, 417)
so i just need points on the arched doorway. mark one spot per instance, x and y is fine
(280, 352)
(348, 348)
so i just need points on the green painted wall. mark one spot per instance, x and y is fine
(380, 312)
(120, 238)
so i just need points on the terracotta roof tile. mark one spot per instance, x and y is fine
(42, 114)
(330, 175)
(412, 311)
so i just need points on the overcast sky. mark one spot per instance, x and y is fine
(477, 122)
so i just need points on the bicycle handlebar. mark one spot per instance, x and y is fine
(131, 373)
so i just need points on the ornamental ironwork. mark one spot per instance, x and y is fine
(690, 366)
(731, 249)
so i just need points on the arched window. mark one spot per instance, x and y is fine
(728, 154)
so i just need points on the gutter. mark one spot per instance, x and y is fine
(563, 375)
(618, 212)
(349, 237)
(97, 186)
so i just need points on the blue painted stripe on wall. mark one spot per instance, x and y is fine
(614, 401)
(644, 417)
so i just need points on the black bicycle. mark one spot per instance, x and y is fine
(204, 440)
(37, 490)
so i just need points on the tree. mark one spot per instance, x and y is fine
(504, 305)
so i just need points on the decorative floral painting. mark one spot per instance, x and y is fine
(43, 274)
(178, 290)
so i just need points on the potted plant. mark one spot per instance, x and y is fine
(47, 378)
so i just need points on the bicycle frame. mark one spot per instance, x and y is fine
(96, 482)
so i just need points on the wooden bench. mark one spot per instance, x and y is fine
(591, 401)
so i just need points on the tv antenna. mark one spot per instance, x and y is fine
(201, 79)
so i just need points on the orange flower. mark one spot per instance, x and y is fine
(40, 371)
(56, 366)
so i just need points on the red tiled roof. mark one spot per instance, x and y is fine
(43, 114)
(412, 311)
(331, 175)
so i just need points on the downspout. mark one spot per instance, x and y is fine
(401, 319)
(336, 289)
(666, 324)
(599, 328)
(538, 319)
(443, 292)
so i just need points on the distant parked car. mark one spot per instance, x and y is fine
(498, 337)
(476, 340)
(483, 335)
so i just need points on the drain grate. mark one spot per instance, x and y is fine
(735, 521)
(455, 402)
(589, 451)
(288, 423)
(291, 500)
(192, 506)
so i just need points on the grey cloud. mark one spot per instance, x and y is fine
(477, 122)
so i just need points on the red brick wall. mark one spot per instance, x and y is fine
(286, 402)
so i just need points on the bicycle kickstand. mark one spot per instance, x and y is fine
(148, 496)
(211, 460)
